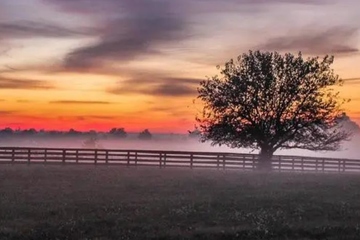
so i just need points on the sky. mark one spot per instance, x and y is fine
(98, 64)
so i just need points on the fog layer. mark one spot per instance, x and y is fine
(350, 149)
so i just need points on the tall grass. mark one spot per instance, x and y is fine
(88, 202)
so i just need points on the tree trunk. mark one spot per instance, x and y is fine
(265, 156)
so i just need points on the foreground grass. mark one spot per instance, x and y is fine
(88, 202)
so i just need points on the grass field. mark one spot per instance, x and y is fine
(88, 202)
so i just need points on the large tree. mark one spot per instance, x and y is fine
(269, 101)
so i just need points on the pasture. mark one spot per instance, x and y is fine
(109, 202)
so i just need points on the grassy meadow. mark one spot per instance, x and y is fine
(103, 202)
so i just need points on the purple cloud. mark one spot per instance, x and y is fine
(127, 30)
(131, 29)
(13, 83)
(336, 40)
(162, 87)
(29, 29)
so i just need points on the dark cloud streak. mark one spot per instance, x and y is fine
(5, 112)
(91, 7)
(12, 83)
(24, 101)
(336, 40)
(351, 81)
(101, 117)
(78, 102)
(29, 29)
(135, 29)
(161, 87)
(132, 29)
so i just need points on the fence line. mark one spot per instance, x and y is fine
(163, 159)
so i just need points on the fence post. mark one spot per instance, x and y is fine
(106, 156)
(128, 159)
(218, 162)
(164, 160)
(77, 156)
(29, 155)
(96, 156)
(63, 156)
(160, 159)
(280, 162)
(323, 165)
(243, 163)
(344, 167)
(45, 155)
(13, 155)
(224, 162)
(302, 164)
(253, 162)
(191, 161)
(136, 159)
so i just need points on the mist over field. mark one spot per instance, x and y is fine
(170, 142)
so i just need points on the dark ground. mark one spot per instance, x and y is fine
(88, 202)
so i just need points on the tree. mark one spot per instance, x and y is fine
(145, 135)
(73, 132)
(92, 142)
(195, 133)
(268, 101)
(118, 132)
(7, 131)
(348, 124)
(30, 131)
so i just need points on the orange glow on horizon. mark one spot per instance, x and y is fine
(102, 125)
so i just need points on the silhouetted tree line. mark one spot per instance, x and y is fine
(113, 132)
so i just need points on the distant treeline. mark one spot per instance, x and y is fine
(116, 132)
(113, 132)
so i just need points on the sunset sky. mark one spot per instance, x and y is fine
(98, 64)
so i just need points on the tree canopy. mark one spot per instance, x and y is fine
(145, 135)
(118, 132)
(269, 101)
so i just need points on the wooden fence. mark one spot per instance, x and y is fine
(162, 159)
